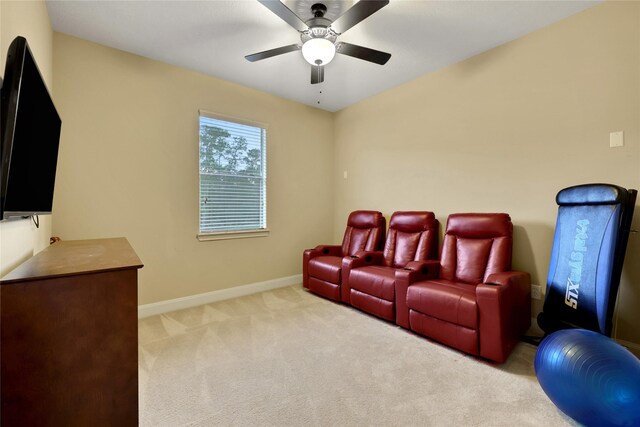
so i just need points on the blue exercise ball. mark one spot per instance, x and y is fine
(590, 378)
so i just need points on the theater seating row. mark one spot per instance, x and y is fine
(466, 298)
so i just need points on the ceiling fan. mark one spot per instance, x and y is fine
(319, 35)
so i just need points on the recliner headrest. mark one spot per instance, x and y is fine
(364, 219)
(479, 225)
(592, 194)
(412, 222)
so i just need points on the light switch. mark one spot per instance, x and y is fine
(616, 139)
(345, 174)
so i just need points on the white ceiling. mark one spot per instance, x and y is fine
(214, 36)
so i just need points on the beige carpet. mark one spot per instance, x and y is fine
(289, 358)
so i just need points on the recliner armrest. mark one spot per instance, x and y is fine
(309, 254)
(422, 270)
(413, 272)
(511, 278)
(331, 250)
(360, 259)
(504, 305)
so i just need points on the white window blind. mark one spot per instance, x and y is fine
(232, 176)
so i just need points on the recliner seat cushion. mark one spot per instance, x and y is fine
(476, 246)
(374, 280)
(356, 240)
(446, 300)
(473, 255)
(326, 268)
(412, 237)
(403, 247)
(364, 232)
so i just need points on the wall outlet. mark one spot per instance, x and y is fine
(536, 292)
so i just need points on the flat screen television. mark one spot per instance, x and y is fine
(29, 137)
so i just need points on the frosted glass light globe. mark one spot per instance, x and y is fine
(318, 51)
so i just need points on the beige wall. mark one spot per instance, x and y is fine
(128, 166)
(19, 239)
(504, 131)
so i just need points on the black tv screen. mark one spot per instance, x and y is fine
(30, 135)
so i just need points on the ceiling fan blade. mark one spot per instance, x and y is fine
(317, 74)
(359, 12)
(280, 9)
(271, 52)
(363, 53)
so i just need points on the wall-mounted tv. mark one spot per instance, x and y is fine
(29, 137)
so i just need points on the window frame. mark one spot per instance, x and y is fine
(234, 234)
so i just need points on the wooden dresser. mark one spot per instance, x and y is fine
(69, 336)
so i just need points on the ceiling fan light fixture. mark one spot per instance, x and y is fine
(318, 51)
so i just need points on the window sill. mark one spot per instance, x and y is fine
(236, 234)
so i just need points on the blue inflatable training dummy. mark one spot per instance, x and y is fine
(590, 378)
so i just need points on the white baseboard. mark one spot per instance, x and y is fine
(534, 329)
(152, 309)
(631, 346)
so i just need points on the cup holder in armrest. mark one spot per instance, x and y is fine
(353, 257)
(492, 284)
(325, 251)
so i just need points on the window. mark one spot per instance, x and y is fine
(233, 199)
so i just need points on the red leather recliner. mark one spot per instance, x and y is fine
(370, 276)
(469, 300)
(322, 266)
